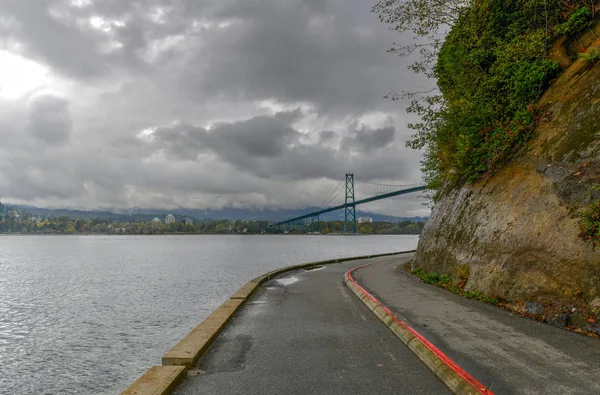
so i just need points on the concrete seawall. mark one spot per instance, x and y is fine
(159, 380)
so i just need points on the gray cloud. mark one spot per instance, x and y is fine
(183, 141)
(298, 51)
(327, 135)
(251, 103)
(56, 39)
(49, 119)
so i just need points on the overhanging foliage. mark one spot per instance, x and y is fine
(490, 70)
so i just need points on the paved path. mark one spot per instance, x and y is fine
(306, 333)
(507, 353)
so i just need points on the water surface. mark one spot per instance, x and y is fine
(90, 314)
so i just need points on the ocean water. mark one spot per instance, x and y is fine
(90, 314)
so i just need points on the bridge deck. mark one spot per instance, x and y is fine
(352, 204)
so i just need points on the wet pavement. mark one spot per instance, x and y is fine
(306, 333)
(507, 353)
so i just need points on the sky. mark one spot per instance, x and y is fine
(200, 104)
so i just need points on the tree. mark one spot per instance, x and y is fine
(365, 229)
(427, 20)
(80, 225)
(221, 228)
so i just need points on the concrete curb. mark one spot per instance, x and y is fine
(157, 381)
(452, 375)
(188, 351)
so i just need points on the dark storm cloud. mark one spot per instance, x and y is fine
(270, 147)
(263, 136)
(363, 139)
(49, 119)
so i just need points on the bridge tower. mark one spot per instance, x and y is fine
(350, 209)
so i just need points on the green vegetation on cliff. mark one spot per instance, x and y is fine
(490, 69)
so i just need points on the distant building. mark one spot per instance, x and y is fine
(156, 223)
(188, 221)
(170, 219)
(365, 220)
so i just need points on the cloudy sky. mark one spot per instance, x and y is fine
(199, 103)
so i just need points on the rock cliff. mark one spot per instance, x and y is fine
(518, 231)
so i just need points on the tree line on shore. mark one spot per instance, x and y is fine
(21, 222)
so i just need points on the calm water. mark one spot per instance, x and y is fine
(90, 314)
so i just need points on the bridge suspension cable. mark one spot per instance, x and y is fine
(333, 195)
(367, 188)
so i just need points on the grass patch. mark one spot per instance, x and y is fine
(445, 281)
(589, 218)
(589, 225)
(591, 55)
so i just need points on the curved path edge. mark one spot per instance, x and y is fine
(450, 373)
(162, 380)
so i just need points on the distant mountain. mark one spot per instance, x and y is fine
(225, 213)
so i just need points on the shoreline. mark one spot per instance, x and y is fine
(202, 234)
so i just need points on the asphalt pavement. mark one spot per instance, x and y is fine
(306, 333)
(507, 353)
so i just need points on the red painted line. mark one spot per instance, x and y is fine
(443, 357)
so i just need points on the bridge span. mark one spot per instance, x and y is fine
(312, 220)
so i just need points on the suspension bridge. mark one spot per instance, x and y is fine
(374, 191)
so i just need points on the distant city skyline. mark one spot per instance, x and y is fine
(182, 214)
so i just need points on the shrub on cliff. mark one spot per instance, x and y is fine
(589, 227)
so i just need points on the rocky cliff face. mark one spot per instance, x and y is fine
(518, 231)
